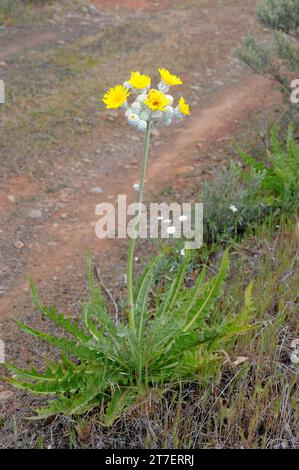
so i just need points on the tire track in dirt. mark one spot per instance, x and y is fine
(74, 240)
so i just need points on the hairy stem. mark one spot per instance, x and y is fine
(135, 231)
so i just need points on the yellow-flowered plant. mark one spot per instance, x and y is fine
(139, 81)
(149, 105)
(109, 363)
(184, 107)
(156, 100)
(169, 79)
(116, 97)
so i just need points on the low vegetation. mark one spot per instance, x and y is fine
(278, 60)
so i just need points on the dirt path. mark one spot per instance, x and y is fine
(29, 41)
(72, 241)
(58, 143)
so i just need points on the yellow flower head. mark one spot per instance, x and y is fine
(139, 81)
(156, 100)
(183, 106)
(116, 97)
(169, 79)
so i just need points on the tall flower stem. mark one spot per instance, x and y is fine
(135, 231)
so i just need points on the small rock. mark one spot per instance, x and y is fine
(92, 9)
(182, 170)
(64, 215)
(240, 360)
(218, 83)
(3, 64)
(95, 190)
(11, 198)
(295, 343)
(6, 395)
(18, 245)
(196, 88)
(35, 214)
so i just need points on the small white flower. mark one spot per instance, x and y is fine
(133, 119)
(233, 208)
(136, 107)
(167, 221)
(136, 187)
(182, 252)
(160, 217)
(182, 218)
(171, 230)
(142, 125)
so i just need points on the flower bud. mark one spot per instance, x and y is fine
(133, 120)
(163, 87)
(142, 125)
(136, 107)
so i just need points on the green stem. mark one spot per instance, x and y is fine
(135, 231)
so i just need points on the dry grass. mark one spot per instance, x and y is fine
(251, 405)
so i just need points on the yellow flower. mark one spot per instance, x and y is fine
(156, 100)
(116, 97)
(183, 106)
(169, 79)
(139, 80)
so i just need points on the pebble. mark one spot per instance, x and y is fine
(95, 190)
(182, 170)
(11, 198)
(18, 244)
(3, 64)
(92, 9)
(6, 395)
(35, 214)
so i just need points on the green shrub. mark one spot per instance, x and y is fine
(279, 175)
(240, 199)
(106, 365)
(232, 205)
(282, 17)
